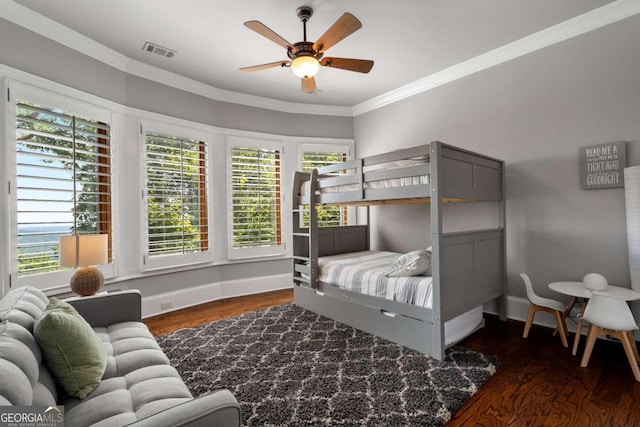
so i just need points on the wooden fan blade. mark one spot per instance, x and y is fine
(308, 84)
(267, 32)
(344, 26)
(263, 66)
(359, 65)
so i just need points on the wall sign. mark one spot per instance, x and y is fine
(601, 165)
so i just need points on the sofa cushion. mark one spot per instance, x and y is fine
(137, 382)
(71, 348)
(23, 379)
(18, 310)
(22, 306)
(130, 346)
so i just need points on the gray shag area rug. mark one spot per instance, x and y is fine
(290, 367)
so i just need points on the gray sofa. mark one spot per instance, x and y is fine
(138, 388)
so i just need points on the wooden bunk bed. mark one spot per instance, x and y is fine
(467, 268)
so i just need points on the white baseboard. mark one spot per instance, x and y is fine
(176, 300)
(518, 308)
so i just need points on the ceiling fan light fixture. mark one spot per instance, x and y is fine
(305, 66)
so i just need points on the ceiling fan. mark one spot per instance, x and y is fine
(305, 58)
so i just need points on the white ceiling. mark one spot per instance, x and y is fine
(408, 39)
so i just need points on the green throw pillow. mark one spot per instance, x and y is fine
(73, 352)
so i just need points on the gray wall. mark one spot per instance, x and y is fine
(534, 112)
(27, 51)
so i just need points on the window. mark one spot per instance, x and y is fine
(62, 184)
(312, 157)
(175, 197)
(255, 193)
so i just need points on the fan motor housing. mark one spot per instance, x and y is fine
(303, 49)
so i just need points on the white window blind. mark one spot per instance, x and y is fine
(255, 197)
(60, 157)
(176, 197)
(328, 216)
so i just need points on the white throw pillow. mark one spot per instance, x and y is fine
(413, 263)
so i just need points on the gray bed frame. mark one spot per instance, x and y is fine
(468, 268)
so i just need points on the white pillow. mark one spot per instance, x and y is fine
(413, 263)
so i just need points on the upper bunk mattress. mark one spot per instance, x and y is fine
(365, 272)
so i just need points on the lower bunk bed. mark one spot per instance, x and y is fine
(393, 321)
(353, 288)
(371, 273)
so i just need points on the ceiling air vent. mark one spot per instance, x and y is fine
(154, 48)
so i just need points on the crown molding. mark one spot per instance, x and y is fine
(597, 18)
(27, 18)
(589, 21)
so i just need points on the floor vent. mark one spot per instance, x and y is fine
(154, 48)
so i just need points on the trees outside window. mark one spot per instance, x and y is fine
(177, 219)
(328, 216)
(255, 198)
(61, 157)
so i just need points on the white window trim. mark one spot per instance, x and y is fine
(57, 279)
(148, 263)
(323, 148)
(244, 253)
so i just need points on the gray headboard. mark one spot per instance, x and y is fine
(340, 240)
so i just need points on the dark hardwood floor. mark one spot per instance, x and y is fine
(538, 382)
(215, 310)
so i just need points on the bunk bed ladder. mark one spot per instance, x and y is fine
(305, 246)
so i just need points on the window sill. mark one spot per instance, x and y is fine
(168, 270)
(65, 291)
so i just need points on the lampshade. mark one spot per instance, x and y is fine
(305, 66)
(83, 251)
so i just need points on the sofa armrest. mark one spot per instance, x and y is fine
(105, 309)
(219, 408)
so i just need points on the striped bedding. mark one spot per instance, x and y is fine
(364, 272)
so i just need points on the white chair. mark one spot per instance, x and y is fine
(611, 316)
(549, 305)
